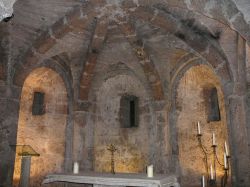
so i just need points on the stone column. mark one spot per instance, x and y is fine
(237, 118)
(8, 129)
(25, 171)
(159, 133)
(84, 135)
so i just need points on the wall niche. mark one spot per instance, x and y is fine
(129, 111)
(44, 132)
(199, 97)
(211, 104)
(117, 98)
(38, 106)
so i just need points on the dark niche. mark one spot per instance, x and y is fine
(212, 104)
(129, 114)
(38, 107)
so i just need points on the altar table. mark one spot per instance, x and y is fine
(119, 179)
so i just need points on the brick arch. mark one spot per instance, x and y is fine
(145, 61)
(97, 42)
(57, 63)
(120, 69)
(173, 109)
(182, 64)
(78, 19)
(186, 63)
(200, 41)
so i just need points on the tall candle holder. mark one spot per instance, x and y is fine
(212, 178)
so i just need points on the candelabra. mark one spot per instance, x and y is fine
(212, 178)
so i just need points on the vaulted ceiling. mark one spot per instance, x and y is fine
(75, 31)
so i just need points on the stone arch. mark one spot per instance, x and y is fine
(121, 69)
(137, 157)
(97, 43)
(199, 40)
(144, 59)
(59, 65)
(46, 132)
(92, 116)
(76, 20)
(190, 63)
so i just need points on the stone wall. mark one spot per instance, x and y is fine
(44, 133)
(99, 47)
(117, 73)
(132, 143)
(248, 62)
(191, 108)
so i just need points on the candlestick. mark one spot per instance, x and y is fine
(198, 128)
(211, 172)
(213, 139)
(225, 161)
(76, 168)
(226, 150)
(203, 181)
(150, 172)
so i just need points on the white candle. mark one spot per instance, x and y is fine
(203, 181)
(150, 171)
(226, 150)
(211, 172)
(199, 128)
(225, 161)
(76, 168)
(213, 138)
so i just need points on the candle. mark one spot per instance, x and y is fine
(225, 161)
(226, 150)
(203, 181)
(211, 172)
(76, 168)
(150, 172)
(213, 139)
(199, 128)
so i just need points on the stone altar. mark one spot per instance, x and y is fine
(120, 179)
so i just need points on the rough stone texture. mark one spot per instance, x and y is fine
(132, 143)
(244, 7)
(6, 9)
(191, 90)
(102, 49)
(44, 133)
(248, 62)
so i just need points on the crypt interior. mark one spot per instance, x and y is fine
(79, 75)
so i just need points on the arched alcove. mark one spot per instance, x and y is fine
(132, 143)
(43, 130)
(194, 92)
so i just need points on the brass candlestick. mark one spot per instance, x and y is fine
(112, 150)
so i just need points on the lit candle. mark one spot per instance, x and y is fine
(225, 161)
(150, 172)
(203, 181)
(199, 128)
(213, 139)
(226, 150)
(211, 172)
(76, 168)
